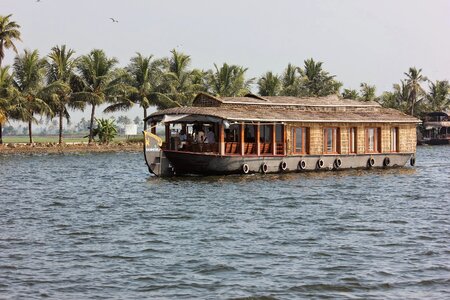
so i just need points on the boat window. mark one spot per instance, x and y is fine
(249, 134)
(394, 139)
(232, 133)
(279, 133)
(331, 140)
(279, 138)
(265, 138)
(373, 139)
(265, 133)
(352, 140)
(299, 139)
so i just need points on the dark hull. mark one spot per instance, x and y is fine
(210, 164)
(435, 142)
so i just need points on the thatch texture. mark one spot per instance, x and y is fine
(288, 115)
(288, 109)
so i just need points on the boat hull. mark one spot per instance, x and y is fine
(182, 163)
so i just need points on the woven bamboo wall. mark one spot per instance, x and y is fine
(407, 136)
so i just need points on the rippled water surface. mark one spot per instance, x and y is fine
(98, 226)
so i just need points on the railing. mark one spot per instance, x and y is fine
(265, 148)
(231, 148)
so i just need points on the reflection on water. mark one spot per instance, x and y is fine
(98, 226)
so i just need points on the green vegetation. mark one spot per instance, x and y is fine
(49, 86)
(106, 131)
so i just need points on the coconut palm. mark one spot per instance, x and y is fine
(5, 97)
(269, 84)
(439, 97)
(398, 98)
(29, 71)
(9, 32)
(350, 94)
(367, 92)
(143, 85)
(57, 93)
(178, 81)
(413, 80)
(290, 81)
(96, 76)
(316, 81)
(228, 81)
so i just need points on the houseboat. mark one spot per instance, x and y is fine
(255, 134)
(436, 129)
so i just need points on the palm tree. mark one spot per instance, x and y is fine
(28, 75)
(290, 81)
(413, 80)
(318, 82)
(439, 95)
(9, 31)
(269, 84)
(143, 85)
(5, 97)
(367, 92)
(96, 75)
(398, 98)
(228, 81)
(350, 94)
(178, 85)
(57, 93)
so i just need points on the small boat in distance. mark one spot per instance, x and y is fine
(255, 134)
(436, 129)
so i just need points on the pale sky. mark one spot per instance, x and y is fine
(358, 40)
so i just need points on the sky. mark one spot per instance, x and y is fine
(372, 41)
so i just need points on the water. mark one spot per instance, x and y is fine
(97, 226)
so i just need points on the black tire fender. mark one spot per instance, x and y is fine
(301, 165)
(245, 169)
(337, 163)
(264, 168)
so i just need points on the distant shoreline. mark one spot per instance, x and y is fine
(53, 148)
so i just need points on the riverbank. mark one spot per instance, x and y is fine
(47, 148)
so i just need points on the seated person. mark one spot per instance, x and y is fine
(183, 138)
(210, 139)
(199, 137)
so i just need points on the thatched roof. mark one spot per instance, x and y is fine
(287, 115)
(203, 99)
(287, 109)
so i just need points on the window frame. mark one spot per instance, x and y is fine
(303, 137)
(376, 140)
(395, 145)
(335, 140)
(353, 140)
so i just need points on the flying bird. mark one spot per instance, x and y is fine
(114, 20)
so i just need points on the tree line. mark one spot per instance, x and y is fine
(51, 85)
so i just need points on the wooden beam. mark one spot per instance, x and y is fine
(242, 126)
(221, 139)
(258, 138)
(274, 139)
(167, 136)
